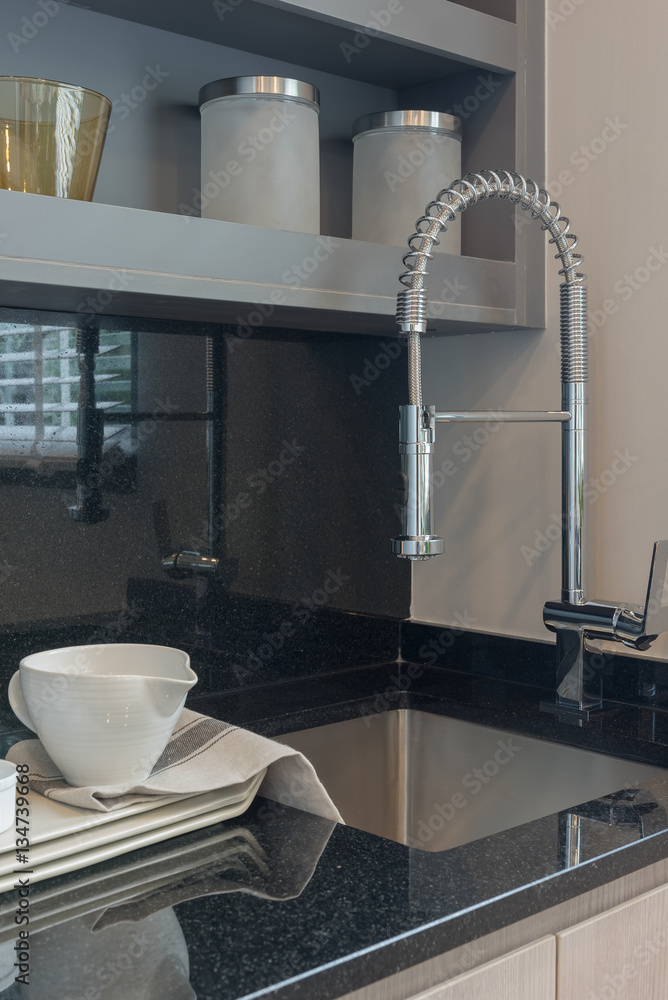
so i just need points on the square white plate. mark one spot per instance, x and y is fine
(64, 838)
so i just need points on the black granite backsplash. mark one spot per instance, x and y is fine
(304, 447)
(517, 660)
(632, 679)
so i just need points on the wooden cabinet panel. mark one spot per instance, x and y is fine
(618, 955)
(526, 974)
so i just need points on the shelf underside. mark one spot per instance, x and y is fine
(81, 257)
(397, 44)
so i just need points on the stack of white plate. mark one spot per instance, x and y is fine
(64, 838)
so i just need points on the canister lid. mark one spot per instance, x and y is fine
(261, 86)
(409, 119)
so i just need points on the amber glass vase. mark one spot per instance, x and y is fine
(51, 137)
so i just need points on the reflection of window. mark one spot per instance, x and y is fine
(39, 390)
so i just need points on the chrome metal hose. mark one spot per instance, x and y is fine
(416, 432)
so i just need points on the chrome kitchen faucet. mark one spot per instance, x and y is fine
(578, 622)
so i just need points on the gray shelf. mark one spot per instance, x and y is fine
(426, 40)
(82, 257)
(131, 261)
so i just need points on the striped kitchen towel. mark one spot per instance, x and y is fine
(203, 754)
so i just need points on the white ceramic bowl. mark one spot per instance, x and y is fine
(7, 794)
(104, 713)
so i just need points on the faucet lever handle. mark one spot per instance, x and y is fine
(656, 605)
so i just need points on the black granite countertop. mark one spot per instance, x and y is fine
(277, 903)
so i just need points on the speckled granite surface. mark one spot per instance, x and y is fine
(279, 904)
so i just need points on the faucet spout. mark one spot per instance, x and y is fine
(417, 431)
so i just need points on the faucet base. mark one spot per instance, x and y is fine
(572, 713)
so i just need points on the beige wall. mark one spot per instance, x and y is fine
(605, 62)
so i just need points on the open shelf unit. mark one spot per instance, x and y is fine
(101, 258)
(132, 253)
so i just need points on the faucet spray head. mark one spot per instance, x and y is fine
(417, 432)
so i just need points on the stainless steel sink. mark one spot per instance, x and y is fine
(436, 783)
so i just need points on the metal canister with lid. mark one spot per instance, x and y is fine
(260, 152)
(402, 159)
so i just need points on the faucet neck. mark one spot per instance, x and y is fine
(411, 318)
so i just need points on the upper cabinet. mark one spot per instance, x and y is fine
(140, 249)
